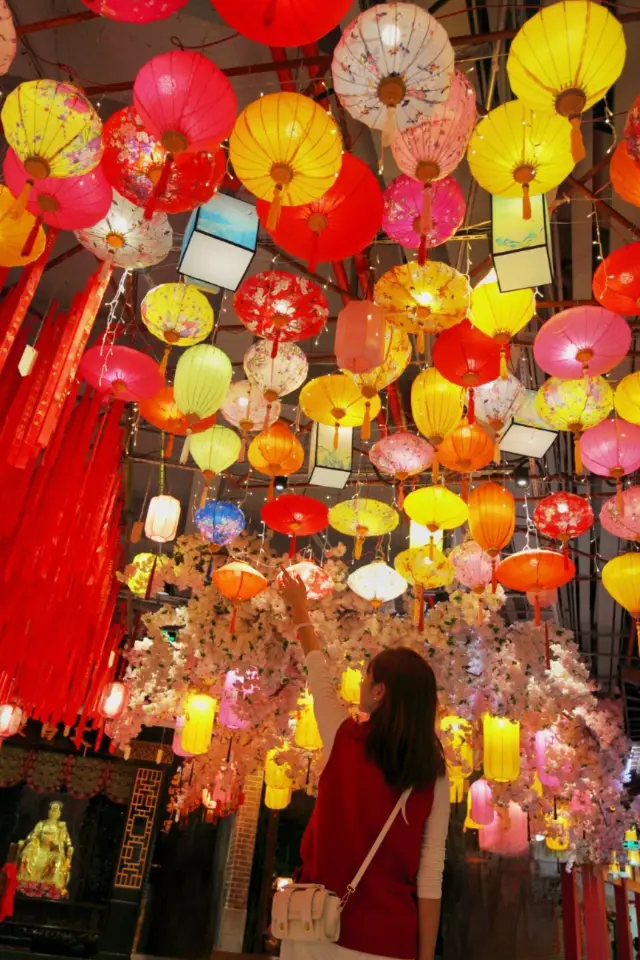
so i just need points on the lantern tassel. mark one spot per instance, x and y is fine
(422, 250)
(275, 208)
(159, 189)
(31, 239)
(480, 620)
(471, 406)
(19, 205)
(421, 610)
(164, 362)
(578, 151)
(464, 487)
(336, 434)
(274, 348)
(243, 448)
(416, 608)
(271, 489)
(357, 550)
(496, 449)
(168, 450)
(267, 417)
(537, 610)
(435, 469)
(638, 633)
(576, 453)
(547, 646)
(390, 127)
(494, 575)
(184, 453)
(233, 621)
(365, 431)
(400, 495)
(292, 547)
(619, 497)
(136, 532)
(426, 221)
(503, 363)
(526, 202)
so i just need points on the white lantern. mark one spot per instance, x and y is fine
(162, 520)
(10, 720)
(219, 243)
(113, 701)
(377, 582)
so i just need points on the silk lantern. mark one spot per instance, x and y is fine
(468, 357)
(622, 520)
(627, 398)
(397, 354)
(214, 450)
(501, 315)
(582, 341)
(533, 571)
(425, 568)
(362, 517)
(318, 583)
(135, 11)
(574, 405)
(219, 522)
(145, 578)
(543, 740)
(508, 834)
(306, 735)
(124, 238)
(492, 519)
(401, 455)
(163, 517)
(621, 579)
(113, 700)
(293, 25)
(178, 314)
(467, 448)
(11, 719)
(436, 508)
(497, 402)
(624, 171)
(359, 345)
(22, 239)
(337, 225)
(472, 565)
(245, 408)
(275, 452)
(501, 748)
(377, 582)
(124, 373)
(275, 376)
(281, 306)
(295, 515)
(335, 400)
(612, 449)
(402, 219)
(199, 716)
(202, 377)
(562, 516)
(285, 148)
(238, 581)
(163, 412)
(436, 407)
(277, 777)
(616, 282)
(235, 689)
(481, 810)
(564, 59)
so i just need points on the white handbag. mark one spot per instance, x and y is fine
(310, 912)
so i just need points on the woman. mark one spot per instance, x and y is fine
(395, 911)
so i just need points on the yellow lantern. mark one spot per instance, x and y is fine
(275, 799)
(350, 683)
(15, 233)
(397, 354)
(436, 508)
(558, 842)
(419, 536)
(501, 742)
(199, 714)
(564, 59)
(201, 381)
(456, 735)
(423, 299)
(214, 450)
(178, 314)
(627, 398)
(145, 567)
(501, 315)
(621, 578)
(377, 582)
(515, 152)
(425, 568)
(361, 518)
(286, 148)
(574, 405)
(336, 401)
(436, 405)
(307, 735)
(277, 775)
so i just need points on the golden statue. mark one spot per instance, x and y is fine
(44, 858)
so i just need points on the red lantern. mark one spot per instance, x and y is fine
(341, 223)
(625, 174)
(360, 336)
(133, 163)
(281, 306)
(113, 700)
(534, 571)
(616, 282)
(562, 516)
(295, 515)
(125, 373)
(282, 23)
(135, 11)
(468, 357)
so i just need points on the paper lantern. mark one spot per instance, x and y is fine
(501, 315)
(612, 449)
(582, 341)
(516, 152)
(507, 835)
(533, 571)
(337, 225)
(436, 407)
(126, 239)
(163, 517)
(335, 400)
(202, 378)
(562, 516)
(350, 684)
(621, 579)
(214, 450)
(162, 411)
(436, 508)
(492, 517)
(68, 203)
(307, 736)
(275, 376)
(401, 455)
(275, 452)
(146, 577)
(624, 171)
(472, 565)
(52, 128)
(11, 719)
(543, 740)
(329, 466)
(277, 799)
(497, 402)
(124, 373)
(295, 515)
(238, 581)
(219, 522)
(397, 354)
(199, 715)
(481, 809)
(135, 11)
(521, 250)
(281, 306)
(113, 700)
(466, 449)
(245, 408)
(425, 568)
(219, 243)
(564, 59)
(377, 582)
(177, 313)
(278, 781)
(292, 24)
(501, 748)
(574, 405)
(392, 66)
(359, 345)
(425, 299)
(616, 284)
(8, 38)
(468, 357)
(234, 690)
(361, 518)
(318, 584)
(558, 840)
(627, 398)
(18, 247)
(623, 520)
(285, 148)
(456, 736)
(402, 218)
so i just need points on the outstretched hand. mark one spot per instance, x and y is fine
(292, 590)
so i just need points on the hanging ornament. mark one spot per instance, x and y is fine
(295, 515)
(401, 455)
(238, 581)
(562, 516)
(178, 314)
(276, 452)
(472, 565)
(214, 450)
(623, 519)
(219, 522)
(436, 508)
(466, 449)
(501, 315)
(281, 307)
(202, 378)
(318, 584)
(162, 411)
(497, 402)
(582, 341)
(245, 408)
(124, 373)
(275, 376)
(621, 579)
(436, 407)
(402, 218)
(135, 11)
(336, 401)
(359, 345)
(425, 568)
(397, 354)
(492, 520)
(612, 449)
(22, 239)
(146, 577)
(291, 24)
(501, 749)
(125, 239)
(361, 518)
(533, 571)
(467, 357)
(574, 405)
(624, 171)
(377, 582)
(616, 284)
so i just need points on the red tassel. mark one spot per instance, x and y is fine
(336, 435)
(426, 223)
(30, 242)
(432, 601)
(547, 646)
(271, 489)
(275, 207)
(422, 250)
(421, 609)
(292, 546)
(168, 450)
(274, 348)
(537, 609)
(400, 495)
(526, 202)
(471, 406)
(619, 498)
(159, 189)
(233, 621)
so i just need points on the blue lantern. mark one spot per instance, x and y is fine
(219, 522)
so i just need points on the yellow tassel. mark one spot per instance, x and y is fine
(19, 205)
(275, 208)
(576, 453)
(357, 550)
(578, 151)
(336, 435)
(184, 453)
(164, 361)
(526, 202)
(435, 469)
(503, 363)
(420, 341)
(365, 432)
(496, 449)
(638, 633)
(136, 531)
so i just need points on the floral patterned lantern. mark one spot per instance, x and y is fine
(144, 574)
(360, 337)
(219, 522)
(436, 508)
(402, 219)
(281, 306)
(532, 571)
(425, 299)
(582, 341)
(361, 518)
(501, 753)
(125, 373)
(562, 516)
(377, 582)
(8, 38)
(275, 376)
(467, 448)
(612, 449)
(574, 405)
(401, 455)
(237, 581)
(436, 407)
(627, 398)
(113, 700)
(397, 354)
(318, 584)
(497, 402)
(336, 401)
(625, 178)
(492, 519)
(214, 450)
(22, 239)
(425, 568)
(472, 565)
(178, 314)
(616, 282)
(621, 579)
(337, 225)
(135, 11)
(245, 408)
(293, 25)
(199, 715)
(501, 315)
(508, 834)
(11, 719)
(275, 452)
(392, 66)
(126, 239)
(295, 515)
(468, 357)
(625, 522)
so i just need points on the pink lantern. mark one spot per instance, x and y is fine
(135, 11)
(403, 200)
(508, 834)
(359, 343)
(545, 739)
(318, 583)
(482, 810)
(612, 449)
(472, 566)
(401, 455)
(68, 203)
(234, 689)
(11, 719)
(125, 373)
(625, 522)
(113, 700)
(582, 341)
(176, 746)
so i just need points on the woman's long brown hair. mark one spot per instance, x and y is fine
(402, 739)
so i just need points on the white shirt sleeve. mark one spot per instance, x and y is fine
(329, 710)
(434, 841)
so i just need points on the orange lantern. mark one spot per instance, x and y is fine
(163, 412)
(492, 519)
(238, 581)
(624, 171)
(534, 571)
(465, 449)
(275, 452)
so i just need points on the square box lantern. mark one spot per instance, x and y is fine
(329, 467)
(528, 435)
(219, 243)
(521, 249)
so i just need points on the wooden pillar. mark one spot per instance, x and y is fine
(595, 914)
(623, 924)
(571, 926)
